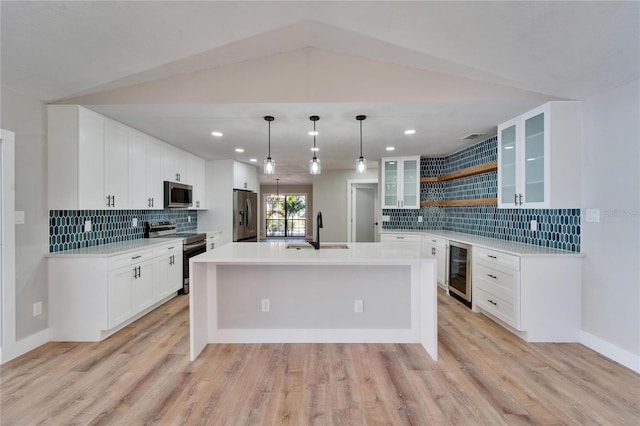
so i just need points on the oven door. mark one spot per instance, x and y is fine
(190, 251)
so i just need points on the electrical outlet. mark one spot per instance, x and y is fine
(189, 218)
(358, 306)
(134, 222)
(37, 309)
(87, 226)
(266, 305)
(593, 215)
(533, 225)
(419, 218)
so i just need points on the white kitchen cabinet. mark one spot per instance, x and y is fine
(436, 248)
(401, 182)
(213, 239)
(539, 158)
(245, 177)
(93, 296)
(116, 164)
(145, 172)
(196, 179)
(88, 160)
(167, 270)
(76, 158)
(175, 164)
(536, 297)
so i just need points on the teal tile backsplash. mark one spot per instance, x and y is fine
(559, 228)
(66, 227)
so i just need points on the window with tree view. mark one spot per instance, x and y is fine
(286, 215)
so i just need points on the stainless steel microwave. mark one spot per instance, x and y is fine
(177, 194)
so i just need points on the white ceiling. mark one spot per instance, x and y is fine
(179, 69)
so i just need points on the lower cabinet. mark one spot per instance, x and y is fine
(167, 271)
(92, 297)
(436, 248)
(538, 297)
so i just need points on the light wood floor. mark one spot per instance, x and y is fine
(485, 376)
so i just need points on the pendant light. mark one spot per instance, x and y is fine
(269, 164)
(314, 164)
(361, 163)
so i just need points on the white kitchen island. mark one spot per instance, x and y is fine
(266, 293)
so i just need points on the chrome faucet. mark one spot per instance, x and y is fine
(316, 243)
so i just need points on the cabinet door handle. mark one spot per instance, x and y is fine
(433, 251)
(171, 248)
(433, 241)
(139, 271)
(492, 276)
(520, 198)
(515, 199)
(108, 200)
(492, 302)
(493, 257)
(136, 257)
(135, 272)
(399, 238)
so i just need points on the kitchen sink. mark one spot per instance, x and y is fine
(323, 246)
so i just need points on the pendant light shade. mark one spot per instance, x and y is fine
(269, 164)
(314, 164)
(361, 162)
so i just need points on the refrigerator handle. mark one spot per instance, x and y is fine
(248, 216)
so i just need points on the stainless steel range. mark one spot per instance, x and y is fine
(193, 244)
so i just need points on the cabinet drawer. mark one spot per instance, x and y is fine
(496, 258)
(135, 257)
(435, 241)
(501, 282)
(400, 238)
(166, 249)
(497, 306)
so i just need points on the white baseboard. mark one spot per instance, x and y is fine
(23, 346)
(619, 355)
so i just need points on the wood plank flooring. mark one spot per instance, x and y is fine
(485, 376)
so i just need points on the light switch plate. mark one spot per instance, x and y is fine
(19, 218)
(386, 218)
(419, 218)
(134, 222)
(593, 215)
(87, 226)
(533, 225)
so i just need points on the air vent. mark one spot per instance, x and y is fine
(472, 136)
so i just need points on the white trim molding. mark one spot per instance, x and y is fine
(616, 353)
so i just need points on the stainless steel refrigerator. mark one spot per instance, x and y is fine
(245, 216)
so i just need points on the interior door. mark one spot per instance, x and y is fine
(363, 213)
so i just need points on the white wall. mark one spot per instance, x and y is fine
(611, 183)
(27, 118)
(330, 198)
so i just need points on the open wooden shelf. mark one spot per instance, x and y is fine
(488, 167)
(469, 202)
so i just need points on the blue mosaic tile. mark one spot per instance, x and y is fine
(558, 228)
(66, 227)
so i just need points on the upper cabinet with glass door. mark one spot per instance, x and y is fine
(401, 183)
(539, 158)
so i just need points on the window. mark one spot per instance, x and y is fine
(286, 215)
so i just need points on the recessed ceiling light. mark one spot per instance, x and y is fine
(239, 150)
(216, 134)
(314, 149)
(313, 133)
(390, 148)
(253, 160)
(409, 132)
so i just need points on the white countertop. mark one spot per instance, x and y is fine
(114, 249)
(510, 247)
(272, 253)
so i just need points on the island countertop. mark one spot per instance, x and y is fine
(277, 253)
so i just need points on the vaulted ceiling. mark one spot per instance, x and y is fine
(179, 69)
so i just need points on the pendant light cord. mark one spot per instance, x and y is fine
(360, 138)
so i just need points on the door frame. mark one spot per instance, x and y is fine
(8, 347)
(351, 184)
